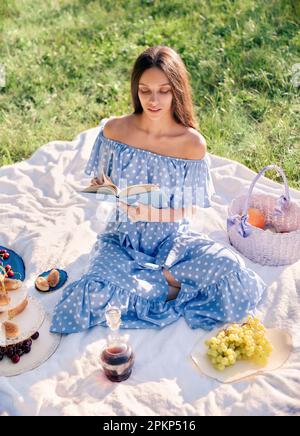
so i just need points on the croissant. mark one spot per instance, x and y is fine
(11, 330)
(53, 278)
(42, 284)
(12, 284)
(4, 299)
(17, 310)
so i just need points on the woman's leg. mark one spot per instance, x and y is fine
(170, 279)
(216, 285)
(174, 285)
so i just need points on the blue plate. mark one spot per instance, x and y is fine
(63, 277)
(16, 263)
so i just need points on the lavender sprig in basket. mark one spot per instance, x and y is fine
(280, 247)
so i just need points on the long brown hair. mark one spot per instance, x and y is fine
(170, 62)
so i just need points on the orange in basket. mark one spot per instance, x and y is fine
(256, 218)
(273, 248)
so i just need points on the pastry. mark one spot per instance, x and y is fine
(4, 299)
(17, 310)
(53, 278)
(11, 330)
(42, 284)
(12, 284)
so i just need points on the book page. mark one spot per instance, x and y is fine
(106, 186)
(138, 189)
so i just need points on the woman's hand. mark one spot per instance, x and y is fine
(140, 212)
(96, 182)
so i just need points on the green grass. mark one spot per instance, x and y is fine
(68, 65)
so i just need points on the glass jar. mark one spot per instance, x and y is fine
(117, 361)
(117, 357)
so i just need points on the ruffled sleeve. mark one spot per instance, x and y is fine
(93, 164)
(196, 187)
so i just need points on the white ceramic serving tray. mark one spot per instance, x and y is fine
(16, 298)
(42, 349)
(29, 321)
(282, 347)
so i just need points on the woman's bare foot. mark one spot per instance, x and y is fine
(170, 279)
(172, 293)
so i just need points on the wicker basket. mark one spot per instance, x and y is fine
(275, 248)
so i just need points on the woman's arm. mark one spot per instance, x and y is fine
(142, 212)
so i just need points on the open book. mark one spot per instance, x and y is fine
(145, 193)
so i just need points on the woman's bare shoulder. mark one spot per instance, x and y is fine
(115, 126)
(191, 144)
(195, 145)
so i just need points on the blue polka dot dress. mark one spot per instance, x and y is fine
(128, 257)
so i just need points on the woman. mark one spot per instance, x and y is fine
(147, 261)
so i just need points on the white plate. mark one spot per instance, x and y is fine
(29, 321)
(16, 298)
(282, 347)
(42, 349)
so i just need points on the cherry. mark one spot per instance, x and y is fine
(27, 343)
(5, 256)
(9, 271)
(14, 352)
(10, 352)
(15, 358)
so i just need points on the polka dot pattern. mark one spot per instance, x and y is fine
(127, 261)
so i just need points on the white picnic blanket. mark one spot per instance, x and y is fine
(45, 221)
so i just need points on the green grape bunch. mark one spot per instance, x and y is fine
(245, 341)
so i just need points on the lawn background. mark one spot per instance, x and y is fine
(68, 62)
